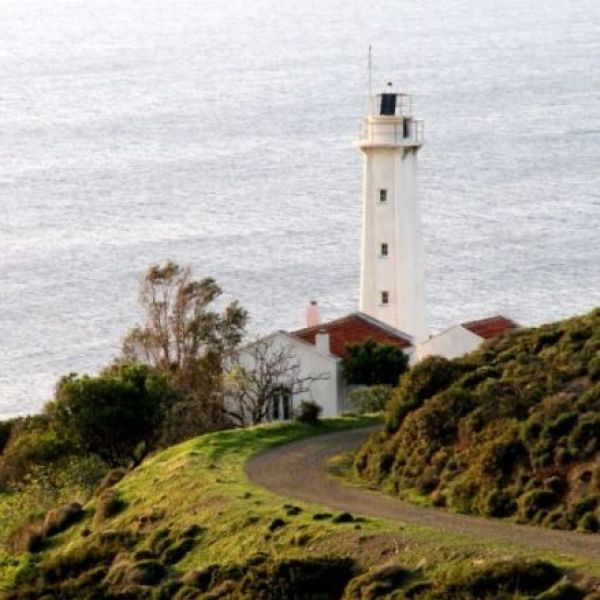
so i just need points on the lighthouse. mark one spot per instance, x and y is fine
(392, 280)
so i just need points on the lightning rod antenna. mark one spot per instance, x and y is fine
(370, 71)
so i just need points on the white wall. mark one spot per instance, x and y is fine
(451, 343)
(325, 391)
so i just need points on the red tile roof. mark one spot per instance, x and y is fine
(491, 327)
(356, 327)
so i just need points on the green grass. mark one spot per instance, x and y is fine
(202, 482)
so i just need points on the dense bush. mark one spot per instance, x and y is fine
(308, 412)
(369, 399)
(512, 429)
(372, 363)
(116, 415)
(32, 442)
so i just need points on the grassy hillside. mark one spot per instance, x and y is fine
(188, 524)
(512, 430)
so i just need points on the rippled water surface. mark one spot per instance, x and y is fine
(220, 134)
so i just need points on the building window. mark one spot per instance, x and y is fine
(385, 297)
(382, 195)
(281, 404)
(383, 250)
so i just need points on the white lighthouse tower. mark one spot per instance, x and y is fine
(392, 286)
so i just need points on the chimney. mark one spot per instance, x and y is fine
(313, 318)
(322, 341)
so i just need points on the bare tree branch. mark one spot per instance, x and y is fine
(259, 373)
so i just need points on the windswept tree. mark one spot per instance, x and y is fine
(262, 382)
(186, 337)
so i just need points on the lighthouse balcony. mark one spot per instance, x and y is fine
(391, 132)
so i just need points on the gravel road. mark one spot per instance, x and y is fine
(298, 470)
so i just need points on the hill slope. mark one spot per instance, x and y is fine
(188, 524)
(511, 430)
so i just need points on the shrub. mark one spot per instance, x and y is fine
(376, 583)
(276, 524)
(173, 554)
(593, 368)
(423, 381)
(116, 415)
(523, 407)
(585, 437)
(308, 412)
(28, 538)
(108, 504)
(61, 518)
(111, 478)
(371, 363)
(563, 590)
(529, 578)
(5, 432)
(499, 504)
(562, 425)
(532, 502)
(556, 484)
(32, 444)
(370, 399)
(584, 505)
(589, 522)
(145, 572)
(99, 551)
(344, 517)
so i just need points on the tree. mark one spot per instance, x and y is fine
(372, 363)
(188, 340)
(116, 415)
(260, 373)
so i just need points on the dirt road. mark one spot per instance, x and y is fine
(298, 470)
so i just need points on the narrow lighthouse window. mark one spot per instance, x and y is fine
(388, 104)
(382, 195)
(385, 297)
(384, 249)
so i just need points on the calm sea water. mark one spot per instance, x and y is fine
(220, 134)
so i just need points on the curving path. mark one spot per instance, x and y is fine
(298, 470)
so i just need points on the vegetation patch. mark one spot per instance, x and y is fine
(510, 431)
(185, 530)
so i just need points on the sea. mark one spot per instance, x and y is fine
(221, 135)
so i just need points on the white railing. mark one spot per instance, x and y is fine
(408, 132)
